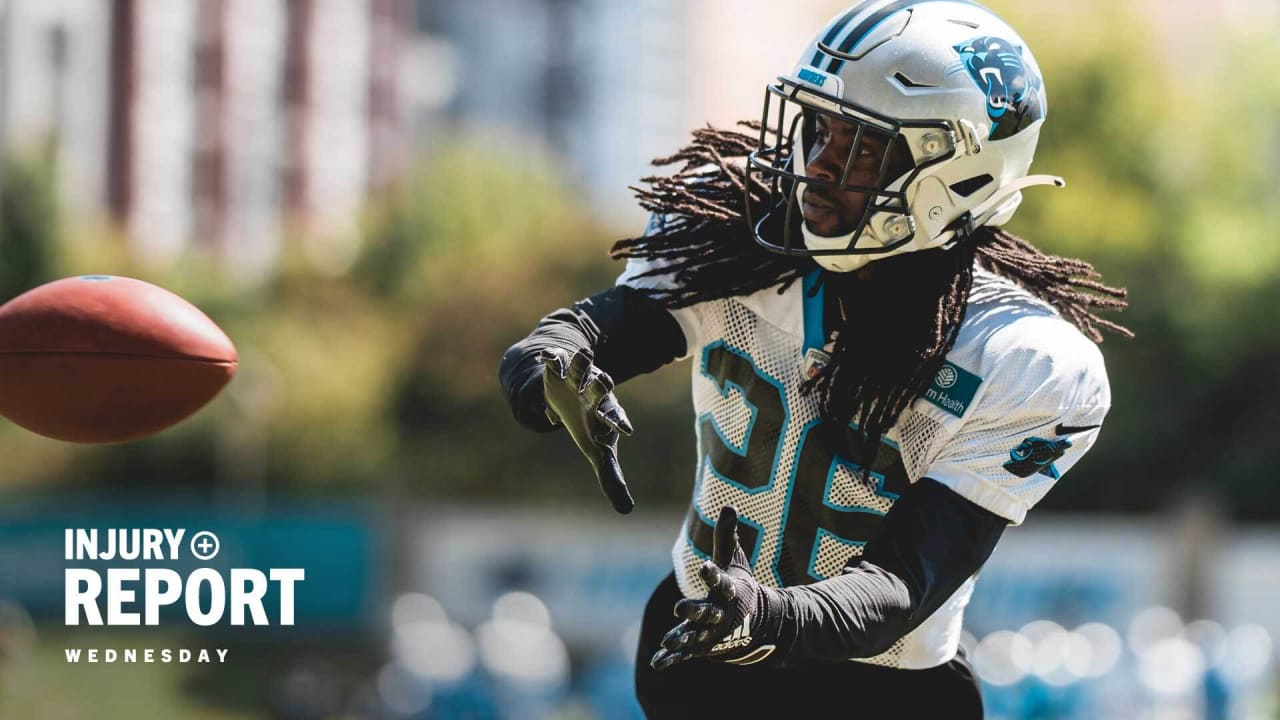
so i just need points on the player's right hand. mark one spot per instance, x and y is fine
(737, 622)
(580, 396)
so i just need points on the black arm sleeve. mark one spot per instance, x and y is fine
(930, 542)
(626, 332)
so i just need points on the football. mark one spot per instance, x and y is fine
(103, 359)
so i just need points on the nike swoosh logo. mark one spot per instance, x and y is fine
(1073, 429)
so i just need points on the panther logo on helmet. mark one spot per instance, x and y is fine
(1013, 89)
(934, 81)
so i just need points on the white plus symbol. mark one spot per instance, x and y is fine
(204, 545)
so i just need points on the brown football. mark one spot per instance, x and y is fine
(101, 359)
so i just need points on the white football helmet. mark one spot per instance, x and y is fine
(950, 89)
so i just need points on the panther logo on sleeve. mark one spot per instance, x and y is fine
(1036, 455)
(1013, 88)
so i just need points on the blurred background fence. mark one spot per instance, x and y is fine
(376, 197)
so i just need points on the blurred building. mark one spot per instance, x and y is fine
(221, 123)
(214, 123)
(53, 85)
(608, 85)
(599, 84)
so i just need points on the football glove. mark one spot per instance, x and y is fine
(738, 620)
(580, 397)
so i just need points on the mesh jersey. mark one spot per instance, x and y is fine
(1007, 414)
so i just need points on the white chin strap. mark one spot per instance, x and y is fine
(995, 210)
(836, 263)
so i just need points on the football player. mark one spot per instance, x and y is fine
(884, 379)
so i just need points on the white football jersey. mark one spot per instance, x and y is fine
(1016, 404)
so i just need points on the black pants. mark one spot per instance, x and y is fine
(834, 690)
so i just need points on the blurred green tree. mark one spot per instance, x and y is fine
(29, 220)
(476, 246)
(1171, 156)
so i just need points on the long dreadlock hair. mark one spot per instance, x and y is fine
(919, 297)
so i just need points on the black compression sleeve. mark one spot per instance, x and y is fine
(637, 335)
(930, 542)
(626, 333)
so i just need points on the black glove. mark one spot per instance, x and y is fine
(739, 619)
(580, 396)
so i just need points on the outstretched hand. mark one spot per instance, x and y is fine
(730, 623)
(580, 396)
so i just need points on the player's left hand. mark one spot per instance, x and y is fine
(736, 623)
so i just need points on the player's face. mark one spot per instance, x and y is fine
(830, 212)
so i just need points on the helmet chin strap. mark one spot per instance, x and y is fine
(982, 214)
(838, 263)
(834, 263)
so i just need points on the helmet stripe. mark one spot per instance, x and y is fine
(838, 26)
(865, 27)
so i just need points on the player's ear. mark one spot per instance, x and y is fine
(725, 540)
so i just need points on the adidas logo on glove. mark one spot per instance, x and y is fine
(741, 637)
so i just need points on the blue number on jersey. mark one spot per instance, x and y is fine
(809, 512)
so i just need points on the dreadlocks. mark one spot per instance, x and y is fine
(919, 298)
